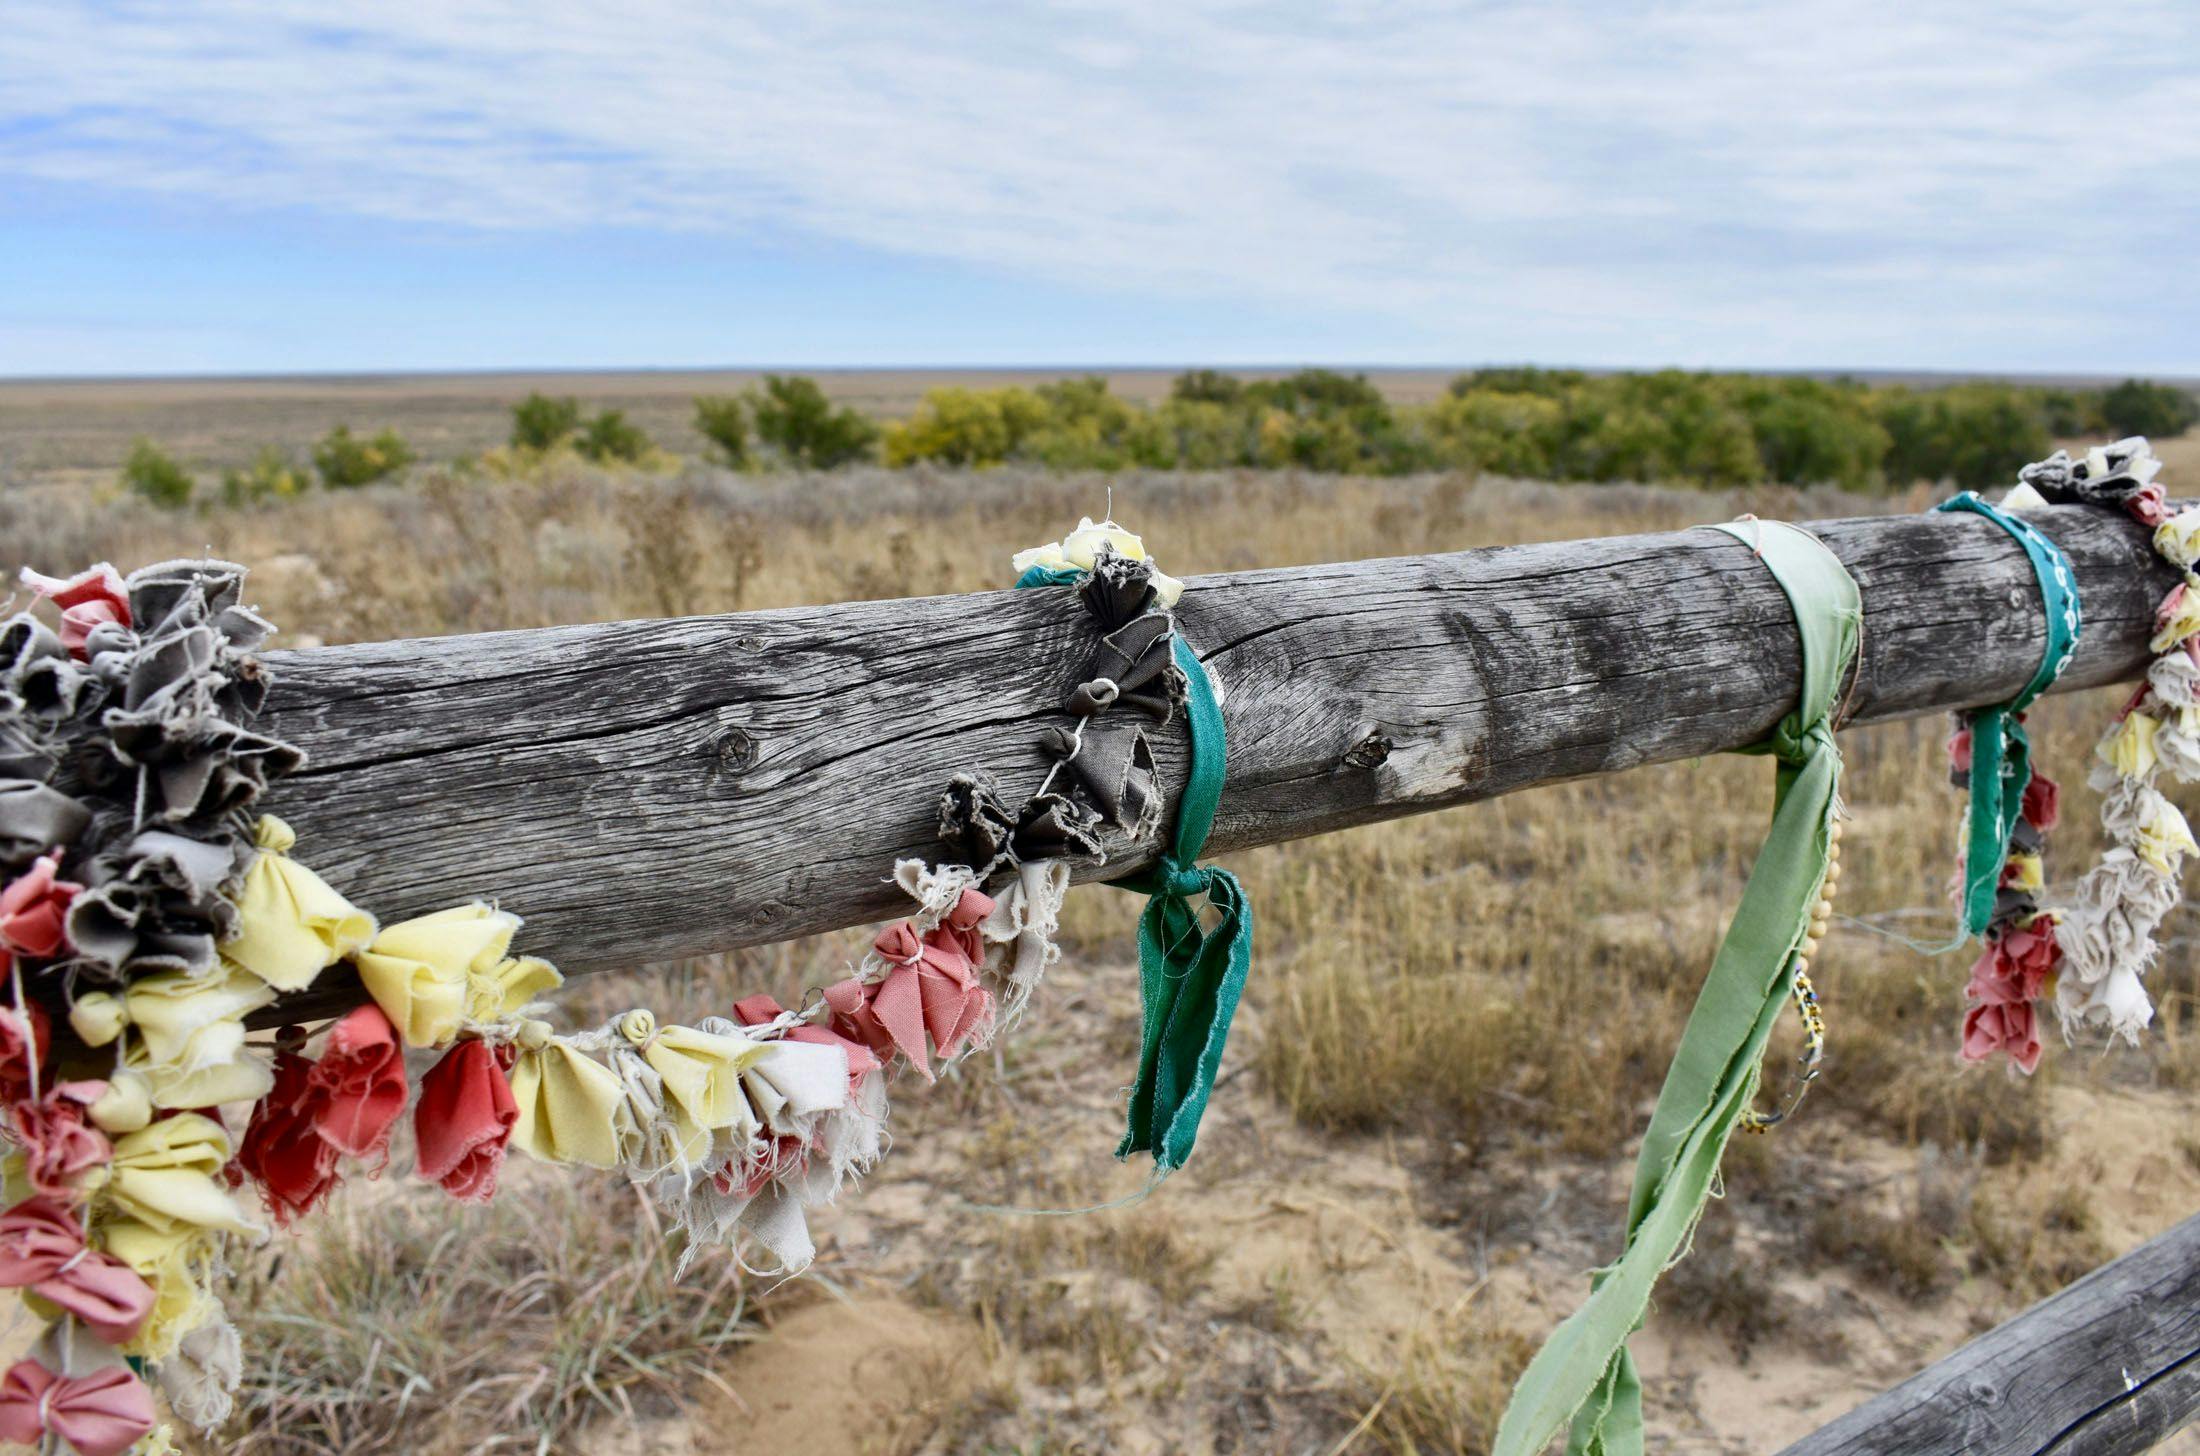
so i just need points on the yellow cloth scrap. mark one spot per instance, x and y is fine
(126, 1105)
(188, 1039)
(569, 1105)
(2129, 747)
(176, 1262)
(431, 974)
(97, 1018)
(291, 924)
(702, 1071)
(188, 1022)
(658, 1135)
(165, 1175)
(510, 985)
(2183, 619)
(655, 1131)
(246, 1078)
(1079, 550)
(2178, 538)
(2164, 837)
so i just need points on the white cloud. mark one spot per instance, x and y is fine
(1783, 181)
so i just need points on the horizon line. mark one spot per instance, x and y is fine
(251, 376)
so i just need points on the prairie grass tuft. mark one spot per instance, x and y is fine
(410, 1323)
(1443, 1389)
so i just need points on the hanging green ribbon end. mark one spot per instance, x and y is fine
(1583, 1381)
(1190, 974)
(1190, 979)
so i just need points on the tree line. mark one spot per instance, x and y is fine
(1549, 424)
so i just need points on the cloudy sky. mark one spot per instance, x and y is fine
(255, 185)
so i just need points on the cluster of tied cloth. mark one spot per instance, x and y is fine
(2012, 806)
(147, 903)
(1195, 935)
(2090, 952)
(128, 769)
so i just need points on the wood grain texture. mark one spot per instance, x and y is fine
(2107, 1367)
(645, 791)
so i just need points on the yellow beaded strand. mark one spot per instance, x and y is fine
(1806, 995)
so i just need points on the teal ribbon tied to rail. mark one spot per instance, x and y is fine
(2001, 751)
(1191, 973)
(1584, 1374)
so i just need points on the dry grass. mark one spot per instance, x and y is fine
(505, 1328)
(1443, 1390)
(2045, 1238)
(1509, 977)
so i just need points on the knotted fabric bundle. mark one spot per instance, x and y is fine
(1191, 974)
(2001, 751)
(1584, 1373)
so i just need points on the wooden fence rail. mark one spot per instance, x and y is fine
(2108, 1366)
(645, 791)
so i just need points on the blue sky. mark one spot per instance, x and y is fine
(243, 186)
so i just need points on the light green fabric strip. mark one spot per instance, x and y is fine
(1584, 1375)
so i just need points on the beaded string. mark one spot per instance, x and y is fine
(1805, 996)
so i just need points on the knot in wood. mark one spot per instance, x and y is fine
(737, 750)
(1369, 749)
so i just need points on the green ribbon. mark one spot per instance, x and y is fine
(2001, 751)
(1584, 1373)
(1190, 974)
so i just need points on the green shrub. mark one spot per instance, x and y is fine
(343, 459)
(1499, 430)
(1809, 432)
(1992, 432)
(970, 427)
(270, 476)
(1205, 434)
(611, 439)
(1319, 419)
(724, 421)
(152, 474)
(2142, 407)
(1668, 425)
(540, 422)
(1975, 435)
(2070, 413)
(1206, 386)
(1522, 379)
(1322, 391)
(793, 415)
(1913, 422)
(1084, 427)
